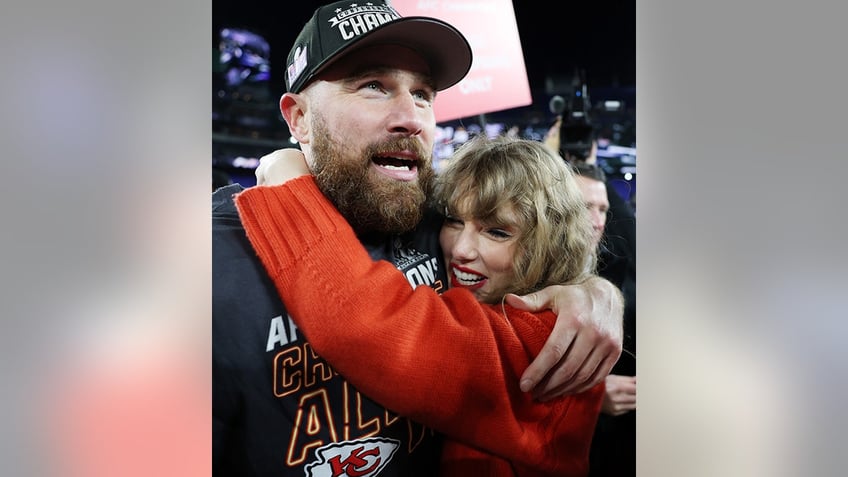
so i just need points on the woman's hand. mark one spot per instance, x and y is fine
(280, 166)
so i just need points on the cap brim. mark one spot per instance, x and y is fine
(442, 46)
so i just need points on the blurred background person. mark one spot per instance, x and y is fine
(613, 450)
(618, 242)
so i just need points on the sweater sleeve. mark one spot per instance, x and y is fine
(446, 361)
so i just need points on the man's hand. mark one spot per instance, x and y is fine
(620, 395)
(586, 340)
(552, 136)
(280, 166)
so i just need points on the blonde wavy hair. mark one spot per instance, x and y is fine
(488, 177)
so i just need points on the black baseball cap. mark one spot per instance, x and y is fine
(339, 28)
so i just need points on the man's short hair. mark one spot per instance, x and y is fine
(591, 171)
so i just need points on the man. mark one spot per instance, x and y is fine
(360, 86)
(613, 450)
(617, 226)
(620, 224)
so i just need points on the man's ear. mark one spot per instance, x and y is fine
(293, 109)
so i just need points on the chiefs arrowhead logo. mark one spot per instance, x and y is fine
(361, 458)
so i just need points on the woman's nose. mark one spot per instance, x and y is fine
(465, 245)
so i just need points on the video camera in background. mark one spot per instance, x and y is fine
(576, 132)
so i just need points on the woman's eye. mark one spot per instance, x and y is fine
(450, 220)
(499, 233)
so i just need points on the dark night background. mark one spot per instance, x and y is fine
(598, 36)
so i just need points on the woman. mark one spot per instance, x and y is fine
(515, 222)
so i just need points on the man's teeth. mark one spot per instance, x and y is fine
(467, 278)
(395, 168)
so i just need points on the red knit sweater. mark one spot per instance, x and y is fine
(448, 362)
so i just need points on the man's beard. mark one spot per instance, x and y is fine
(371, 204)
